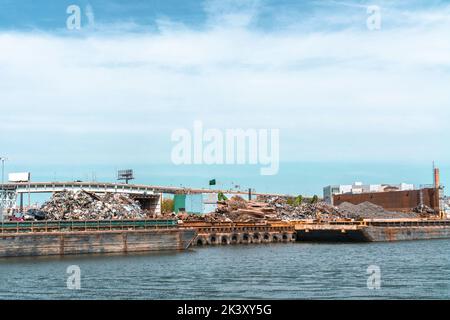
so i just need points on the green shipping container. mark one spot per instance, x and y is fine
(179, 202)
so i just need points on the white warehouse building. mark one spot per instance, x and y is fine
(359, 187)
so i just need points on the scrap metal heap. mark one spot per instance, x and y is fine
(237, 209)
(83, 205)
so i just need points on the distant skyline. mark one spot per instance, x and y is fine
(351, 104)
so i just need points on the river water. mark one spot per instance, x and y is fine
(415, 269)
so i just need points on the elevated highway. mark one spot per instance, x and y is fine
(101, 187)
(10, 191)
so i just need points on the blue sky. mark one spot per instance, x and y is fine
(351, 104)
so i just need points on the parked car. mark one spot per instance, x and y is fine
(36, 214)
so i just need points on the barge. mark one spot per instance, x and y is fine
(374, 230)
(39, 238)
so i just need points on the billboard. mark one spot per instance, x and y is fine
(125, 175)
(19, 177)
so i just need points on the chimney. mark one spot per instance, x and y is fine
(437, 182)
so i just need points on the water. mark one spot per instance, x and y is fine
(416, 269)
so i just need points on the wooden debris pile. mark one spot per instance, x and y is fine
(235, 209)
(238, 209)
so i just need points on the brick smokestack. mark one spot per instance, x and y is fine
(437, 182)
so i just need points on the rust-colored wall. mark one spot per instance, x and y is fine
(403, 201)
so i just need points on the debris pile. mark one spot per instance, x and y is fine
(423, 209)
(237, 209)
(368, 210)
(316, 210)
(83, 205)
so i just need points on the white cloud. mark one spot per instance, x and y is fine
(349, 93)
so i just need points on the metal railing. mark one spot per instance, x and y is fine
(84, 225)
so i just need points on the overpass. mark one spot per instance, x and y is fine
(10, 191)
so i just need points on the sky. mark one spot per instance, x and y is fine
(351, 104)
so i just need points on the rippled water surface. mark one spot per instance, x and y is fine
(416, 269)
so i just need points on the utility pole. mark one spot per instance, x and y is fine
(3, 159)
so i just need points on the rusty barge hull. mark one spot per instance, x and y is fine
(84, 242)
(376, 234)
(84, 237)
(380, 231)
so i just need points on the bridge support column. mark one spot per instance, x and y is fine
(21, 202)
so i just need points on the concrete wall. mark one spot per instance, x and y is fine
(403, 201)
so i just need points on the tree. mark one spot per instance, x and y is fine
(290, 201)
(314, 199)
(167, 206)
(221, 197)
(298, 200)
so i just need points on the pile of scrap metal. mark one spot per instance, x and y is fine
(237, 209)
(83, 205)
(318, 210)
(424, 209)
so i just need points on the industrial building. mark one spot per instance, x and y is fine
(399, 197)
(397, 201)
(359, 188)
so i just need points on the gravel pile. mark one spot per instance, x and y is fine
(368, 210)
